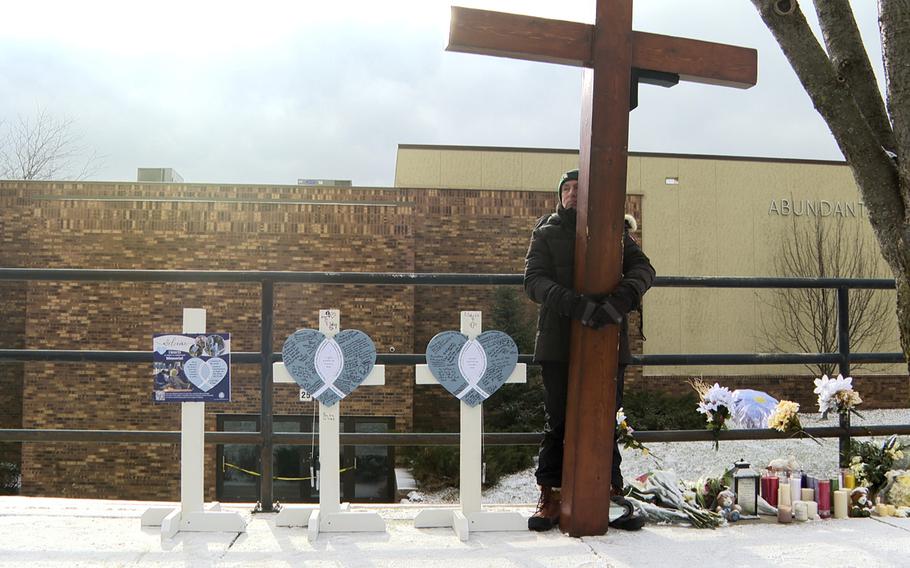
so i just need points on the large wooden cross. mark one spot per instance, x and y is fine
(616, 60)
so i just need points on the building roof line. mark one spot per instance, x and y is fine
(570, 151)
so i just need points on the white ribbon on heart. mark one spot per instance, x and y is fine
(329, 361)
(472, 362)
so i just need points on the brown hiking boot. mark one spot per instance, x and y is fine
(547, 514)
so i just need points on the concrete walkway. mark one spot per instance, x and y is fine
(38, 532)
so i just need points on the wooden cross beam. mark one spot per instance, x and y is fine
(612, 53)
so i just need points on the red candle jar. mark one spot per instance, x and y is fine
(773, 485)
(824, 498)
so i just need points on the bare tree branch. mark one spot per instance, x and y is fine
(833, 99)
(44, 147)
(851, 62)
(805, 320)
(894, 16)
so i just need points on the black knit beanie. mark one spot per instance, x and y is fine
(566, 214)
(571, 174)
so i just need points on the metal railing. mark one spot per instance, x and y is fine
(266, 438)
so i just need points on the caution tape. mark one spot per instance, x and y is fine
(279, 478)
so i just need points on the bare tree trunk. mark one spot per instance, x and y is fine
(844, 94)
(903, 313)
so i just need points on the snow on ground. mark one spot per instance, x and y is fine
(65, 533)
(694, 460)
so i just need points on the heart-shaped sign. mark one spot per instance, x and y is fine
(327, 368)
(472, 370)
(205, 374)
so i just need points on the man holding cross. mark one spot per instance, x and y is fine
(616, 59)
(548, 281)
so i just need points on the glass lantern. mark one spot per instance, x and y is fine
(746, 485)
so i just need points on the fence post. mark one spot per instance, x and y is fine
(843, 347)
(265, 414)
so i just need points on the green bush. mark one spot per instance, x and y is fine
(433, 467)
(649, 410)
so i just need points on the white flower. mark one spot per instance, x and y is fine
(620, 417)
(827, 390)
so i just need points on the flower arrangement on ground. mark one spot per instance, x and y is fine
(897, 491)
(871, 463)
(659, 496)
(837, 395)
(716, 404)
(624, 436)
(785, 418)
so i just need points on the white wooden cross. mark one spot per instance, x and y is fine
(192, 515)
(331, 515)
(471, 517)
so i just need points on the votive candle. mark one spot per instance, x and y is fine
(796, 484)
(841, 498)
(784, 514)
(849, 480)
(813, 510)
(824, 498)
(800, 511)
(813, 483)
(806, 494)
(783, 495)
(773, 484)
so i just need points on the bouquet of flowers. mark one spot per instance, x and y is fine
(785, 418)
(658, 494)
(624, 436)
(870, 462)
(716, 404)
(836, 394)
(897, 492)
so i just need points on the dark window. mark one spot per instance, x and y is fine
(368, 472)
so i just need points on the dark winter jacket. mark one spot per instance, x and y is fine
(548, 281)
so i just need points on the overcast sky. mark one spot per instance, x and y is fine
(269, 92)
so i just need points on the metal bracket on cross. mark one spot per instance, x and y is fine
(471, 517)
(331, 515)
(192, 515)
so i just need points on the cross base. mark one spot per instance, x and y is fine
(465, 523)
(316, 521)
(173, 520)
(343, 522)
(296, 515)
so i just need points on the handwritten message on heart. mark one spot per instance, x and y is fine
(329, 369)
(472, 370)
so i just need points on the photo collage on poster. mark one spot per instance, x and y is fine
(192, 367)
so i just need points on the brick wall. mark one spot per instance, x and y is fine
(226, 227)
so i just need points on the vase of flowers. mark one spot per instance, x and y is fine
(870, 462)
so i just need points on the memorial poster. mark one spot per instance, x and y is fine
(192, 367)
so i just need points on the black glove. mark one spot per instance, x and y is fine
(594, 314)
(621, 302)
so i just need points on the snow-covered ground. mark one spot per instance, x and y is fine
(694, 460)
(65, 533)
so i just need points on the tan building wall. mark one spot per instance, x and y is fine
(702, 216)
